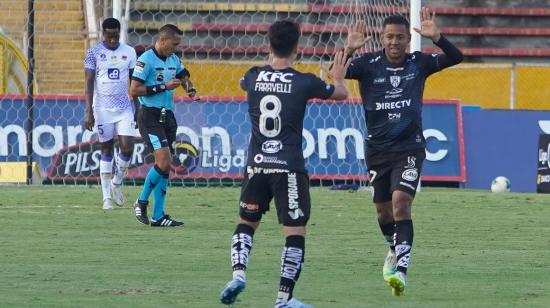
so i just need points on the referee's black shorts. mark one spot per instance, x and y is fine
(155, 134)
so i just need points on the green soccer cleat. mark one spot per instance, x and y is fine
(390, 265)
(397, 283)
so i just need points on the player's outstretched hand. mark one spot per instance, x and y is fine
(89, 120)
(172, 84)
(428, 27)
(357, 37)
(339, 66)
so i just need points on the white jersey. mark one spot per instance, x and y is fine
(112, 75)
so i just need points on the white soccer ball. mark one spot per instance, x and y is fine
(500, 184)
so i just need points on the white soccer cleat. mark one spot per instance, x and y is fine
(116, 192)
(108, 204)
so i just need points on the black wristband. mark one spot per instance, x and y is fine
(152, 90)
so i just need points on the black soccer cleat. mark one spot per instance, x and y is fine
(140, 209)
(166, 221)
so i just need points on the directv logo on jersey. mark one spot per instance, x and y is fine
(113, 73)
(394, 105)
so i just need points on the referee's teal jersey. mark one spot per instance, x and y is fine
(153, 69)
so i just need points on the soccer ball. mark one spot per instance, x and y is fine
(500, 184)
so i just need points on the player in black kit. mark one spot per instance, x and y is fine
(277, 96)
(391, 84)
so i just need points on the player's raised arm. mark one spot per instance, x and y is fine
(429, 29)
(338, 72)
(357, 38)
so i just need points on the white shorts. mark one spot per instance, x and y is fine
(111, 123)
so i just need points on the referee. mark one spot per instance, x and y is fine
(157, 73)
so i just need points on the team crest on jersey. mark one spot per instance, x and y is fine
(395, 80)
(272, 146)
(103, 57)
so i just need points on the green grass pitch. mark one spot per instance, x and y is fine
(471, 249)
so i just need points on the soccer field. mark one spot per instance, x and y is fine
(471, 249)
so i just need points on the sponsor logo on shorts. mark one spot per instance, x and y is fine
(295, 211)
(543, 179)
(411, 162)
(249, 207)
(407, 185)
(272, 146)
(410, 175)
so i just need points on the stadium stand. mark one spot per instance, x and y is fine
(489, 36)
(488, 31)
(59, 40)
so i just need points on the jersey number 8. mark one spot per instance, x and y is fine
(270, 107)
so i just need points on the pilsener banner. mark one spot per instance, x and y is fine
(213, 138)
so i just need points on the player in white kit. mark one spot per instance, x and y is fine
(109, 110)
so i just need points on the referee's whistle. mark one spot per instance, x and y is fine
(162, 115)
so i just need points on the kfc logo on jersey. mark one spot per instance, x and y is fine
(272, 146)
(274, 77)
(395, 81)
(113, 73)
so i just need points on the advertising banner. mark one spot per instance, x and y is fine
(213, 136)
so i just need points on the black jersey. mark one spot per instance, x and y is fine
(392, 98)
(392, 95)
(276, 105)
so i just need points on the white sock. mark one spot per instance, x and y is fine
(106, 174)
(121, 168)
(240, 274)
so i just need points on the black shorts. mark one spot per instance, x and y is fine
(394, 171)
(290, 190)
(155, 134)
